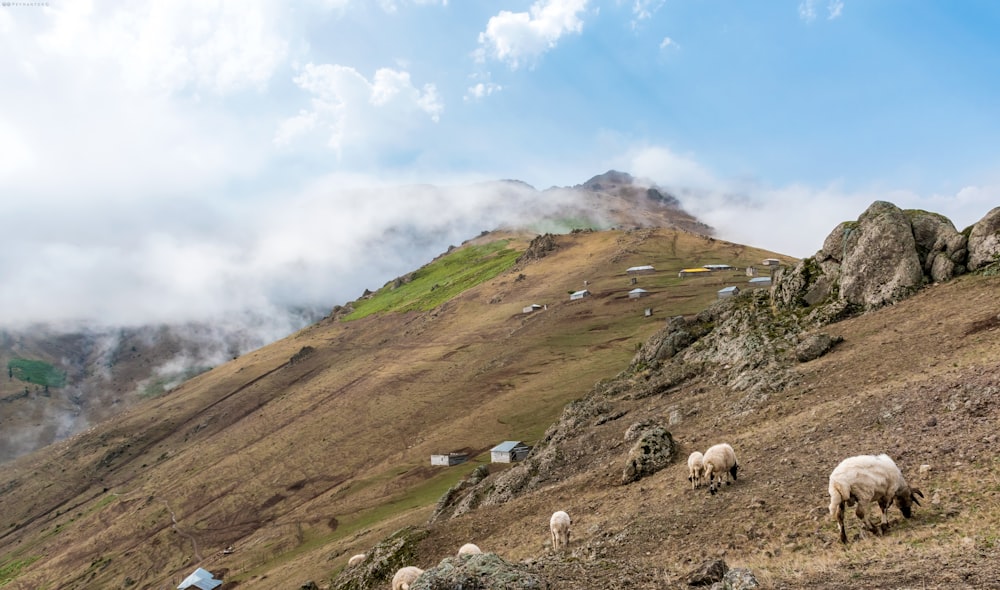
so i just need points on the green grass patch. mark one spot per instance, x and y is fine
(439, 281)
(36, 372)
(10, 570)
(422, 496)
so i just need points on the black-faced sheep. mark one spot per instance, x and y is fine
(696, 468)
(720, 460)
(405, 576)
(469, 549)
(865, 479)
(559, 527)
(355, 559)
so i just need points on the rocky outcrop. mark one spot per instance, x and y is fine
(397, 551)
(984, 241)
(654, 450)
(484, 571)
(883, 257)
(539, 248)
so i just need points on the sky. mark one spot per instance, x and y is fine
(179, 160)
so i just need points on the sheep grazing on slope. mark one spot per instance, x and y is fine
(355, 559)
(559, 527)
(696, 468)
(405, 576)
(865, 479)
(469, 549)
(720, 459)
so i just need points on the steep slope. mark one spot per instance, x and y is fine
(320, 442)
(919, 380)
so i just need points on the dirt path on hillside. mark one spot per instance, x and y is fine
(194, 542)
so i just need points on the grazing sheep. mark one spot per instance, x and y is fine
(720, 459)
(356, 559)
(696, 469)
(865, 479)
(469, 549)
(405, 576)
(559, 527)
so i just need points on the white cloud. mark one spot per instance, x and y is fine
(645, 9)
(521, 37)
(218, 46)
(481, 90)
(356, 112)
(668, 42)
(807, 10)
(834, 9)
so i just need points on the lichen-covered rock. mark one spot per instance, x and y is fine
(666, 343)
(654, 450)
(814, 346)
(738, 578)
(707, 573)
(484, 571)
(384, 559)
(881, 265)
(984, 241)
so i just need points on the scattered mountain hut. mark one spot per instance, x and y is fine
(201, 579)
(729, 292)
(579, 295)
(637, 293)
(760, 282)
(717, 267)
(771, 262)
(449, 459)
(509, 451)
(691, 272)
(531, 308)
(640, 270)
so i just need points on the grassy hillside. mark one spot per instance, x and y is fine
(319, 444)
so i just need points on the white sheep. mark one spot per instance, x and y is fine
(469, 549)
(865, 479)
(696, 468)
(720, 459)
(559, 527)
(405, 576)
(356, 559)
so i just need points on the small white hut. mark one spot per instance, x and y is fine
(509, 451)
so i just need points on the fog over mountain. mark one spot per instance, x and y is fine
(165, 260)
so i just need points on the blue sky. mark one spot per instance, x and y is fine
(178, 160)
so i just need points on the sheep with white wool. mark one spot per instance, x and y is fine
(559, 527)
(865, 479)
(356, 559)
(696, 468)
(720, 460)
(469, 549)
(405, 576)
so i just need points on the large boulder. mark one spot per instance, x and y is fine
(984, 241)
(484, 571)
(940, 247)
(880, 264)
(654, 450)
